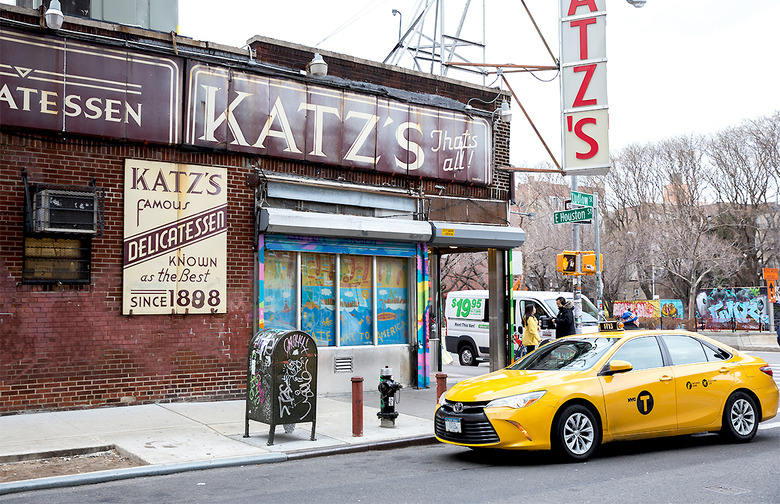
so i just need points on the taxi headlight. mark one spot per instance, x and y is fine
(517, 401)
(442, 400)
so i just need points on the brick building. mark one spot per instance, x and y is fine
(163, 199)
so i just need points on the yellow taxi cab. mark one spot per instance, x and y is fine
(577, 392)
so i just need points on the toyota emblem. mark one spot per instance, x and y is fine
(458, 408)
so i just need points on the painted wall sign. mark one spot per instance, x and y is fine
(175, 238)
(584, 109)
(61, 84)
(262, 115)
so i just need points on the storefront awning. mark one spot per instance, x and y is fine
(284, 221)
(439, 234)
(475, 236)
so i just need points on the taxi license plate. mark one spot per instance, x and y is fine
(452, 424)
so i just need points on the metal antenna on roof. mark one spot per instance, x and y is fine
(432, 46)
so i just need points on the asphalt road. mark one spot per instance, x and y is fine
(690, 469)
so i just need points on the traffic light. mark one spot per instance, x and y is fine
(567, 262)
(589, 263)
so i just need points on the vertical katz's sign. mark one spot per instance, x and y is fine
(61, 84)
(584, 109)
(175, 240)
(262, 115)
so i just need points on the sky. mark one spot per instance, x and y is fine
(675, 67)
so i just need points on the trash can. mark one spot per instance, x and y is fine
(281, 382)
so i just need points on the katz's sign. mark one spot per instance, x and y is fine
(262, 115)
(584, 114)
(61, 84)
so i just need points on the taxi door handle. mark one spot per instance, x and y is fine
(665, 378)
(724, 369)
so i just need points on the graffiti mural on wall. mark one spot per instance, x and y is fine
(737, 308)
(653, 309)
(642, 309)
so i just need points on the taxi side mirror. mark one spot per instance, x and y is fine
(619, 366)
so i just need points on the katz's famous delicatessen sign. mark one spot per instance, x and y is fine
(175, 239)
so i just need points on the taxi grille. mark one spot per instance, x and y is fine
(474, 424)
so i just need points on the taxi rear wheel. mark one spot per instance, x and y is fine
(740, 418)
(576, 434)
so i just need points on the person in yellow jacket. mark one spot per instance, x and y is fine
(531, 328)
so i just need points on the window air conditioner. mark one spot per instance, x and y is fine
(65, 212)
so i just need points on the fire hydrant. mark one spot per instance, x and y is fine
(387, 401)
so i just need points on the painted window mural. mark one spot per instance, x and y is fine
(355, 300)
(392, 300)
(369, 304)
(280, 290)
(318, 297)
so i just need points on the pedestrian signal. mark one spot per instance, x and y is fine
(589, 264)
(567, 262)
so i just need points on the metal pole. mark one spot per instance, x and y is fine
(599, 283)
(575, 239)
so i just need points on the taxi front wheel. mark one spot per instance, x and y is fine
(740, 418)
(576, 433)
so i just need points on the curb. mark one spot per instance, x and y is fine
(135, 472)
(357, 448)
(160, 470)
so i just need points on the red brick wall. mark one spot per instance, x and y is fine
(69, 346)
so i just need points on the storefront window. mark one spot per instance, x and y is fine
(318, 297)
(355, 300)
(392, 300)
(280, 290)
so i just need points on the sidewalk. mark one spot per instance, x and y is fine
(177, 437)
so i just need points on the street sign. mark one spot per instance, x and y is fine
(582, 199)
(574, 215)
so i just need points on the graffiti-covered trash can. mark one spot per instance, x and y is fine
(281, 382)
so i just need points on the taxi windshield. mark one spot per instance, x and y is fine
(570, 354)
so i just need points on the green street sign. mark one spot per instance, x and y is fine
(574, 215)
(582, 199)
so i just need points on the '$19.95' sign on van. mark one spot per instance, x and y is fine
(469, 308)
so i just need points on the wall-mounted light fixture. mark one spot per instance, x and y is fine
(637, 3)
(506, 112)
(317, 66)
(53, 15)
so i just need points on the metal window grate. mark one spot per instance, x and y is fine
(56, 260)
(342, 365)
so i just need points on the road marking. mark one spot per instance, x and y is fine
(769, 426)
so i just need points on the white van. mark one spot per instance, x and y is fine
(467, 326)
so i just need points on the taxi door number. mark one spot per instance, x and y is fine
(452, 424)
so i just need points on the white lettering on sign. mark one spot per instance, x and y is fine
(263, 115)
(584, 114)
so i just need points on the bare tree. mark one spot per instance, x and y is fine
(744, 180)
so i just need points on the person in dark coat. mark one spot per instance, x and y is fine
(564, 322)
